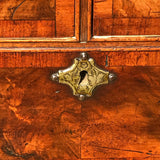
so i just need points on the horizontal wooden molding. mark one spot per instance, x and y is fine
(36, 40)
(79, 48)
(127, 38)
(41, 59)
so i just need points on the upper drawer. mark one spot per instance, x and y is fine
(38, 18)
(126, 18)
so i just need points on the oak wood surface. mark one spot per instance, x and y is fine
(121, 120)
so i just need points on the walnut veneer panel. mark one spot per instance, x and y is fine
(123, 119)
(123, 17)
(39, 28)
(65, 59)
(41, 120)
(27, 9)
(37, 18)
(38, 118)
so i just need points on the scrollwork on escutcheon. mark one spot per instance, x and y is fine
(83, 76)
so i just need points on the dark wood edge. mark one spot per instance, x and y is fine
(84, 21)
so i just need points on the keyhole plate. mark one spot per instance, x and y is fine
(83, 76)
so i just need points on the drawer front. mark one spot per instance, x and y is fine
(41, 119)
(38, 118)
(38, 18)
(121, 17)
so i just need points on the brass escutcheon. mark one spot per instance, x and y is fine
(83, 76)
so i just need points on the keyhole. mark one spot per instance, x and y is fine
(83, 75)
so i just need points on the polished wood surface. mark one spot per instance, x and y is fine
(40, 119)
(133, 8)
(49, 58)
(122, 119)
(37, 18)
(22, 28)
(36, 122)
(27, 9)
(123, 17)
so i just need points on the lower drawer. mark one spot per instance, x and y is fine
(42, 120)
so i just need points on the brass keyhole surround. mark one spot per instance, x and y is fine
(83, 76)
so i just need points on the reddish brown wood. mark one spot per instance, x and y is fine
(132, 8)
(89, 16)
(70, 44)
(27, 28)
(55, 18)
(42, 120)
(133, 59)
(27, 9)
(65, 12)
(102, 8)
(77, 19)
(84, 21)
(122, 119)
(126, 26)
(122, 17)
(65, 59)
(39, 119)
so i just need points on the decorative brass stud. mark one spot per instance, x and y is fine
(83, 76)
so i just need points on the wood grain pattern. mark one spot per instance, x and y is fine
(40, 28)
(84, 21)
(42, 120)
(103, 8)
(126, 26)
(32, 18)
(27, 9)
(65, 18)
(120, 121)
(134, 8)
(133, 59)
(123, 17)
(65, 59)
(108, 43)
(35, 121)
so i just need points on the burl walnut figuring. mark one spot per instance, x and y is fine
(41, 119)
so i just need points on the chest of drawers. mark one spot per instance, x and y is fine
(41, 119)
